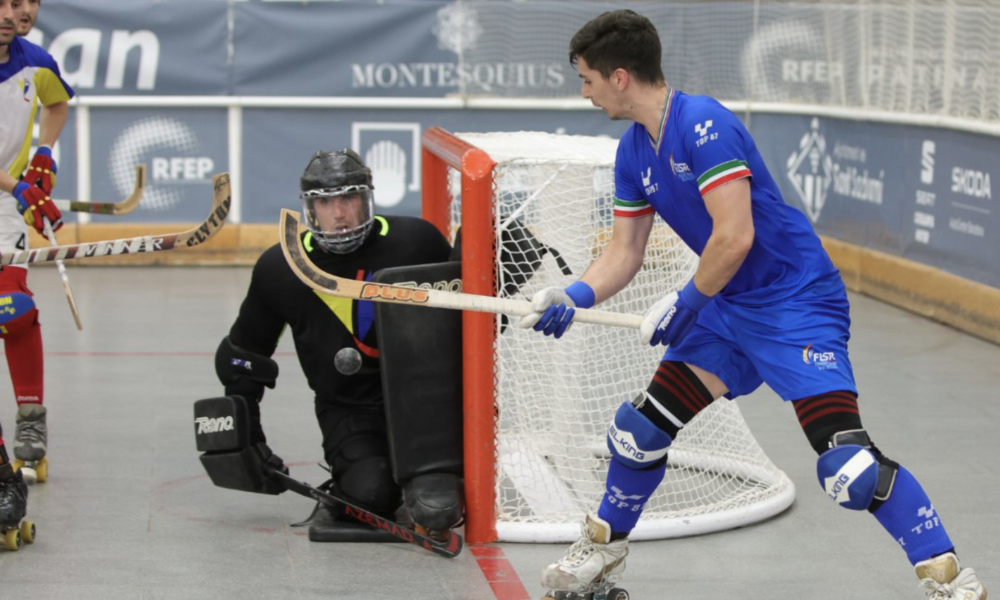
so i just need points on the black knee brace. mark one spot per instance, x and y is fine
(673, 398)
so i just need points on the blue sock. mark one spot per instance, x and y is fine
(626, 493)
(911, 520)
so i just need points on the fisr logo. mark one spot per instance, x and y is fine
(822, 360)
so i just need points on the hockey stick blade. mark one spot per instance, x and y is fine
(109, 208)
(449, 548)
(147, 243)
(319, 280)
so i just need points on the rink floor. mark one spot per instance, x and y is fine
(128, 512)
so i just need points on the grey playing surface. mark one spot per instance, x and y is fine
(128, 512)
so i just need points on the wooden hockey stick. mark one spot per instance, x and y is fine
(450, 547)
(315, 278)
(65, 277)
(109, 208)
(147, 243)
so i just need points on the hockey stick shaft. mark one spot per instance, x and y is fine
(319, 280)
(65, 277)
(450, 547)
(109, 208)
(147, 243)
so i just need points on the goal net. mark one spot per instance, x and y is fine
(545, 212)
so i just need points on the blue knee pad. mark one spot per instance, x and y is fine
(17, 310)
(849, 475)
(634, 440)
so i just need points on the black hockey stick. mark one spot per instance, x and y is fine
(147, 243)
(449, 547)
(109, 208)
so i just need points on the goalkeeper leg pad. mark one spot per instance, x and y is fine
(222, 433)
(434, 500)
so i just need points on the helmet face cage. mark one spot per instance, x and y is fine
(345, 236)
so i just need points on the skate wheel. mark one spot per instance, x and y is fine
(28, 531)
(12, 539)
(17, 464)
(42, 470)
(617, 594)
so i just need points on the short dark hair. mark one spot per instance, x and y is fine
(620, 39)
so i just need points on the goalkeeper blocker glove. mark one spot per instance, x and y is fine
(34, 204)
(554, 308)
(42, 170)
(670, 319)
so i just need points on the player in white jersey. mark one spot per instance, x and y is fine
(765, 305)
(28, 77)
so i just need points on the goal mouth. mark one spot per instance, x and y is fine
(541, 208)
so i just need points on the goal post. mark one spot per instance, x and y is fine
(535, 209)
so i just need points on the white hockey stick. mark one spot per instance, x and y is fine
(147, 243)
(315, 278)
(65, 277)
(109, 208)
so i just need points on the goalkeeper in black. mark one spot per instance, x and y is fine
(335, 338)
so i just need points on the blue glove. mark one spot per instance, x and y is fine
(670, 319)
(554, 308)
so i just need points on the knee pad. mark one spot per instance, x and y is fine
(17, 313)
(854, 473)
(369, 483)
(635, 441)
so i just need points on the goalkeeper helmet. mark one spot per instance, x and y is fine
(337, 200)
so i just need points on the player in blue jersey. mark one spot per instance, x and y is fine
(766, 305)
(29, 76)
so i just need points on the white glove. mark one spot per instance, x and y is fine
(656, 315)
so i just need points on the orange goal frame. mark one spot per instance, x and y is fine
(441, 151)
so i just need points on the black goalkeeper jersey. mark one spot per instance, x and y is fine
(322, 325)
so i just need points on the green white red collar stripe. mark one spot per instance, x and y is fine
(722, 174)
(632, 208)
(663, 122)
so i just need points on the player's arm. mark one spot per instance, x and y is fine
(622, 259)
(243, 360)
(51, 120)
(731, 238)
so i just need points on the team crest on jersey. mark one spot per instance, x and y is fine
(25, 85)
(824, 361)
(681, 170)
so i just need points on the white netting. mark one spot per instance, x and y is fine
(919, 57)
(556, 398)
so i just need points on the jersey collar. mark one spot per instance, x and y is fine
(663, 122)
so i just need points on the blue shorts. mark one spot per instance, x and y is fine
(797, 346)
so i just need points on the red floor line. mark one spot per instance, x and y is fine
(499, 573)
